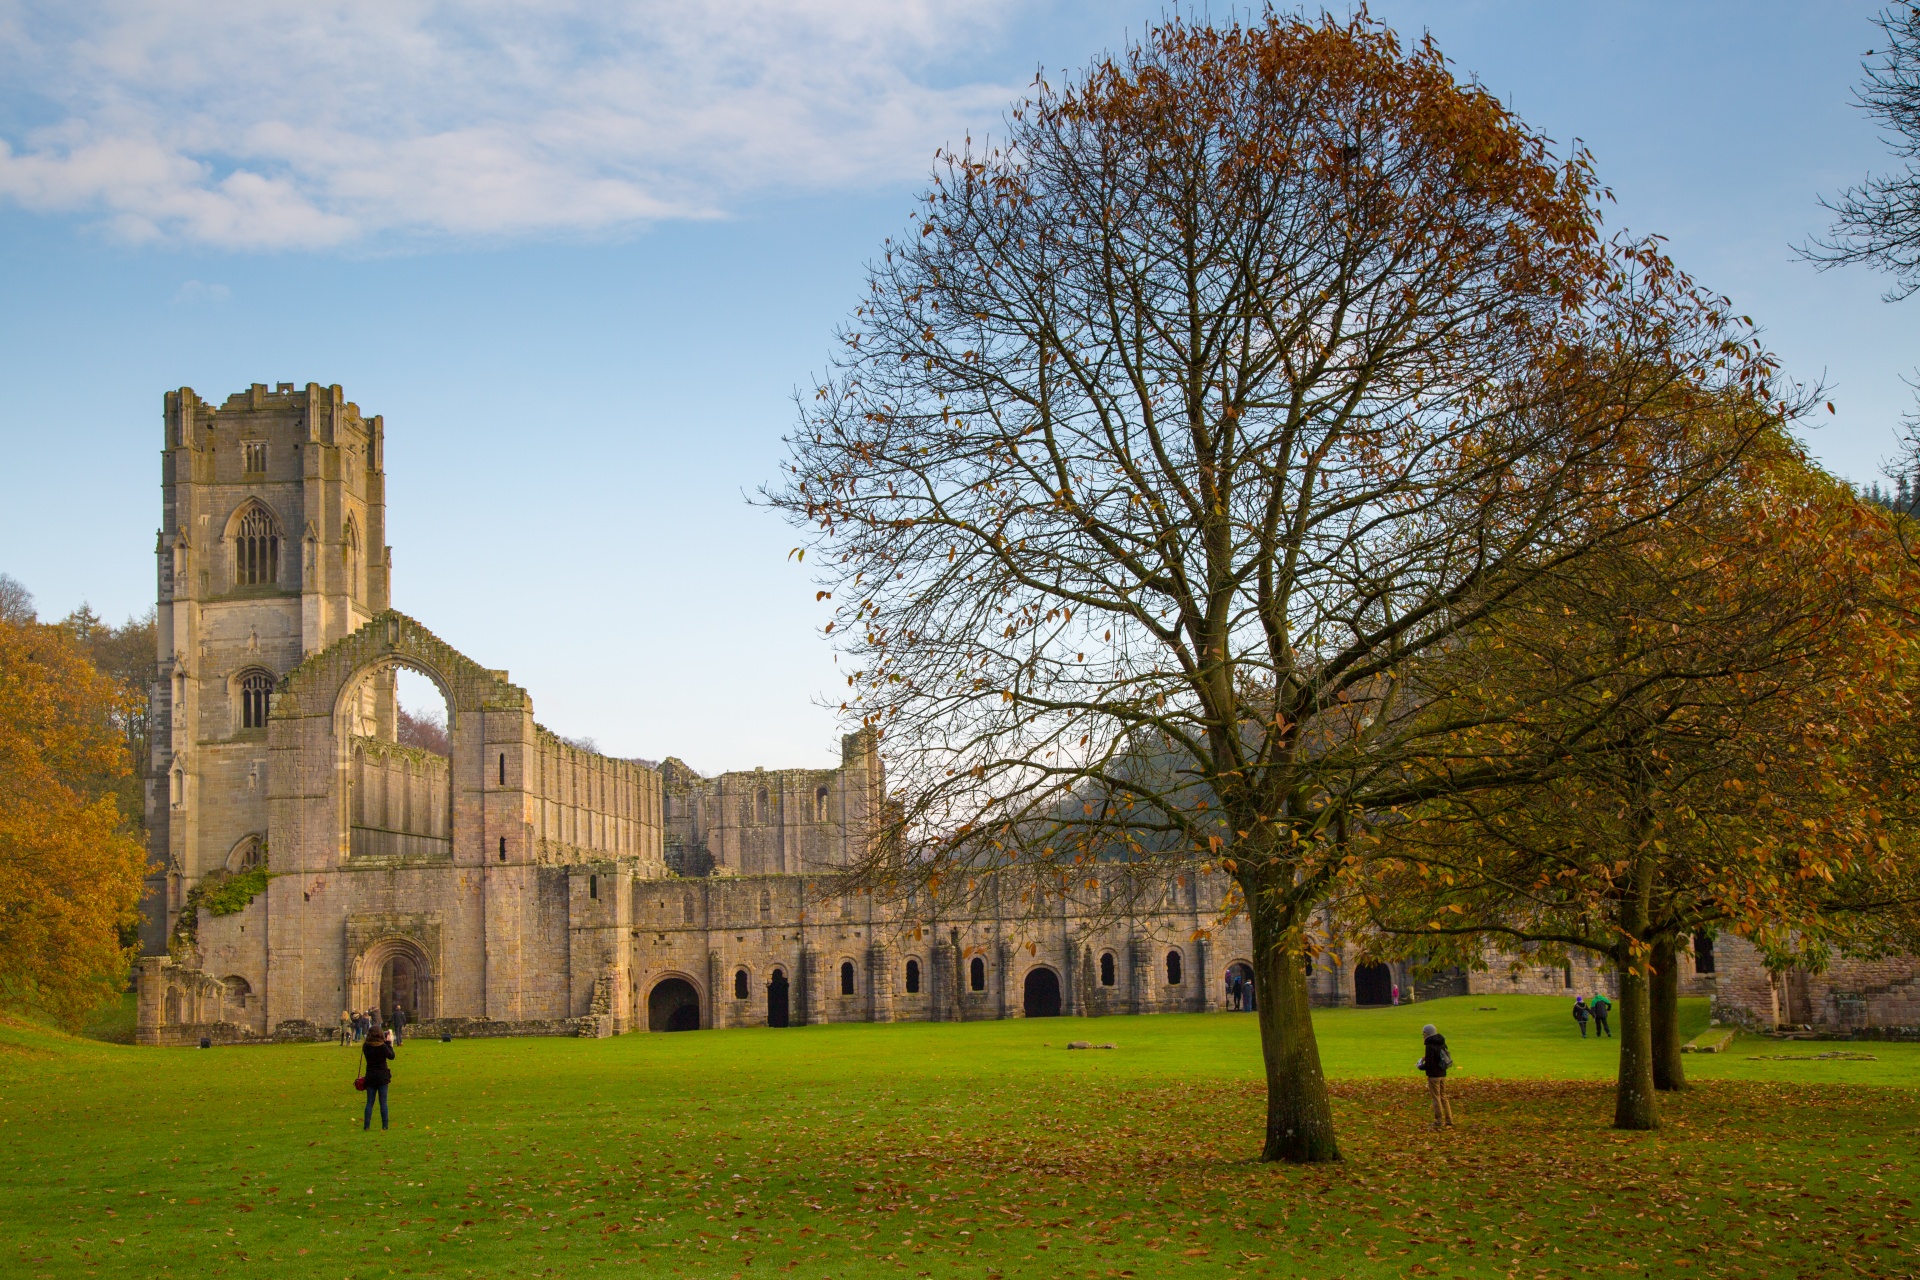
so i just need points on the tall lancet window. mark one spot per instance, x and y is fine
(256, 692)
(256, 548)
(350, 553)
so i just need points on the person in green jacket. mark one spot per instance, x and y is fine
(1600, 1007)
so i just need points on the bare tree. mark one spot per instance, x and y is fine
(1878, 221)
(16, 602)
(1252, 369)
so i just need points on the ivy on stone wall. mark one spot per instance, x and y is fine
(222, 893)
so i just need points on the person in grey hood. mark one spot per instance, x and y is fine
(1434, 1063)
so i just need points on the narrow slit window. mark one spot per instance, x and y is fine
(503, 848)
(503, 768)
(593, 886)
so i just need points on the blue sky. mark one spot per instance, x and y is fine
(581, 256)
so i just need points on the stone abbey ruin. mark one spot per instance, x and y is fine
(304, 861)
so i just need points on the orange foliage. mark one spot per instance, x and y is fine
(70, 870)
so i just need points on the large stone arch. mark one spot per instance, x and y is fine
(479, 873)
(312, 728)
(375, 971)
(670, 992)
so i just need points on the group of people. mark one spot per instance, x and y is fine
(1239, 991)
(1596, 1009)
(356, 1027)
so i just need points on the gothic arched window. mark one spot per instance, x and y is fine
(686, 909)
(256, 697)
(245, 856)
(760, 805)
(256, 548)
(846, 977)
(1106, 969)
(739, 984)
(820, 805)
(977, 973)
(1173, 969)
(913, 977)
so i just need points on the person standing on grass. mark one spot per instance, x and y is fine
(1580, 1014)
(347, 1035)
(1434, 1063)
(398, 1022)
(379, 1054)
(1601, 1007)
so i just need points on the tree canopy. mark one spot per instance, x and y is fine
(1246, 376)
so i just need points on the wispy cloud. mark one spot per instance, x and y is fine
(196, 292)
(270, 125)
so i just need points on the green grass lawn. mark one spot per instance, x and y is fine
(940, 1150)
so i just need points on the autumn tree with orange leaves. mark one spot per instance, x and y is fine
(1244, 377)
(1719, 695)
(70, 866)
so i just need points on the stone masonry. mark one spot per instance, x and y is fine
(520, 885)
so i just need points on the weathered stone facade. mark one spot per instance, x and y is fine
(520, 885)
(1865, 998)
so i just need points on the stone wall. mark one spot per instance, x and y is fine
(1866, 998)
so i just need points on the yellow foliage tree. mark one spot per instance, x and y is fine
(70, 868)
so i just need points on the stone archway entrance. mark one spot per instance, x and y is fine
(394, 973)
(1042, 997)
(1373, 985)
(777, 999)
(673, 1005)
(1244, 972)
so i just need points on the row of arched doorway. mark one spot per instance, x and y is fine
(674, 1003)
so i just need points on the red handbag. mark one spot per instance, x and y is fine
(360, 1083)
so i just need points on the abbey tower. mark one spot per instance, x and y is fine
(272, 546)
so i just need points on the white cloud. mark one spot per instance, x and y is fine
(199, 291)
(270, 125)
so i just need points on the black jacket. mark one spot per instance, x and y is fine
(378, 1056)
(1435, 1061)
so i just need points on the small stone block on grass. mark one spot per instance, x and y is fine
(1712, 1040)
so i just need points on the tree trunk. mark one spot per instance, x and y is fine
(1663, 998)
(1299, 1114)
(1635, 1105)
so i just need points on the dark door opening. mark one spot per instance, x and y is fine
(777, 999)
(673, 1006)
(1373, 984)
(400, 988)
(1043, 994)
(1240, 993)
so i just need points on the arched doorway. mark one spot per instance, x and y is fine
(1240, 987)
(393, 974)
(1373, 984)
(777, 999)
(673, 1006)
(1043, 993)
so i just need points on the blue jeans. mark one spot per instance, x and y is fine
(1583, 1027)
(366, 1121)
